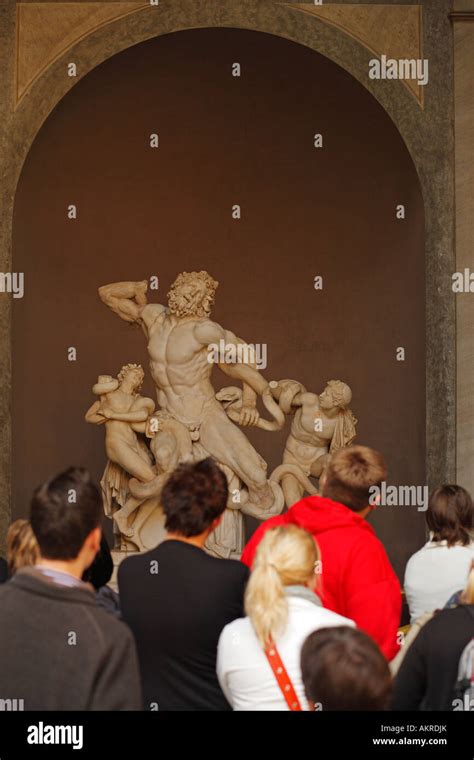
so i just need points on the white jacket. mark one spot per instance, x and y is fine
(244, 673)
(434, 574)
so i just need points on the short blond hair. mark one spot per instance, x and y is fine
(22, 547)
(286, 556)
(350, 473)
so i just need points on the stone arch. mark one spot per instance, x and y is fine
(108, 38)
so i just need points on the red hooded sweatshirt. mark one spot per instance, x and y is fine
(358, 580)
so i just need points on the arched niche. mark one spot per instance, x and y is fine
(427, 133)
(305, 211)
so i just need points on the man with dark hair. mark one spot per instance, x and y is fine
(177, 599)
(358, 580)
(58, 650)
(342, 669)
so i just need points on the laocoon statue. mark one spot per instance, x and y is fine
(192, 421)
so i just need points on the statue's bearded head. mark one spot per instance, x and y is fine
(192, 294)
(335, 394)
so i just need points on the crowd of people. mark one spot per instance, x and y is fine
(309, 619)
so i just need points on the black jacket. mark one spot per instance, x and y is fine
(177, 599)
(428, 673)
(3, 570)
(59, 651)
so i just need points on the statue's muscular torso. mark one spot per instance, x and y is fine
(304, 442)
(303, 426)
(179, 361)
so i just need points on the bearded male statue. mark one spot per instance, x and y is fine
(180, 340)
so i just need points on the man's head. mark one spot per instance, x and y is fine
(336, 394)
(192, 294)
(133, 374)
(343, 669)
(194, 498)
(65, 517)
(349, 475)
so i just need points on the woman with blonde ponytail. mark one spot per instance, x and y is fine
(258, 661)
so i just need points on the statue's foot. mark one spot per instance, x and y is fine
(264, 497)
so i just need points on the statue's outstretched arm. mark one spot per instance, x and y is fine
(305, 398)
(127, 299)
(139, 415)
(290, 393)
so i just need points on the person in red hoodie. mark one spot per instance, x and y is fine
(358, 580)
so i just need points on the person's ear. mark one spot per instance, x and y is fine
(376, 503)
(93, 539)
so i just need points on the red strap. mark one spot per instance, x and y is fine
(282, 677)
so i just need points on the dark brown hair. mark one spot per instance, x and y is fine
(63, 513)
(343, 669)
(450, 515)
(193, 497)
(350, 474)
